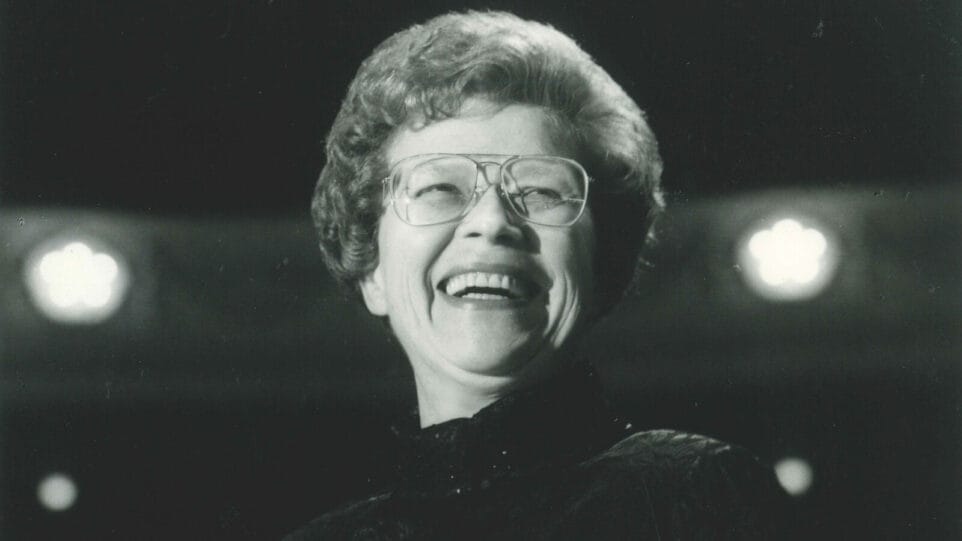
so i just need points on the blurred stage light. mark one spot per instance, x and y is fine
(795, 475)
(76, 281)
(788, 260)
(57, 492)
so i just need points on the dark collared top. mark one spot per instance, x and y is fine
(556, 462)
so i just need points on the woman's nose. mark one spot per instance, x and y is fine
(491, 218)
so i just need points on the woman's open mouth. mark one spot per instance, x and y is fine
(488, 286)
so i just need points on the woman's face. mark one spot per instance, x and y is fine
(482, 340)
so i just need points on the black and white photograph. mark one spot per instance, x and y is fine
(607, 270)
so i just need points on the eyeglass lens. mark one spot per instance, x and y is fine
(541, 189)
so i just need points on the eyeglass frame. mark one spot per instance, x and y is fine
(481, 172)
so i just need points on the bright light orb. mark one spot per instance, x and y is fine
(795, 475)
(76, 281)
(788, 261)
(57, 492)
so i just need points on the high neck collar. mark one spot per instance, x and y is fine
(560, 421)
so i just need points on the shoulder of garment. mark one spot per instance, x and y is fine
(694, 486)
(664, 484)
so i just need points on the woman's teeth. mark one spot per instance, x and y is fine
(484, 285)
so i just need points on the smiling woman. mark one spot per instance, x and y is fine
(488, 191)
(466, 351)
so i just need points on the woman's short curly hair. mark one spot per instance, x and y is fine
(424, 74)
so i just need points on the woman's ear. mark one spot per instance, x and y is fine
(372, 289)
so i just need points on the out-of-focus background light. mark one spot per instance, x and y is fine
(789, 260)
(76, 280)
(795, 475)
(57, 492)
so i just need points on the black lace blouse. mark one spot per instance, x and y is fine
(556, 462)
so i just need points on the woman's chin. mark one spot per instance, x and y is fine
(501, 363)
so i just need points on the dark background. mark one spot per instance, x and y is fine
(237, 393)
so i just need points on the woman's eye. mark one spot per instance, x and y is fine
(439, 190)
(541, 197)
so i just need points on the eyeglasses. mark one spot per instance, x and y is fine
(430, 189)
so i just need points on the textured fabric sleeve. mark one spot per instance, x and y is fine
(700, 488)
(734, 497)
(366, 520)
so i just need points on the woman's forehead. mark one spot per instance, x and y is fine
(482, 128)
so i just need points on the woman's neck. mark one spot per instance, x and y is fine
(439, 402)
(442, 398)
